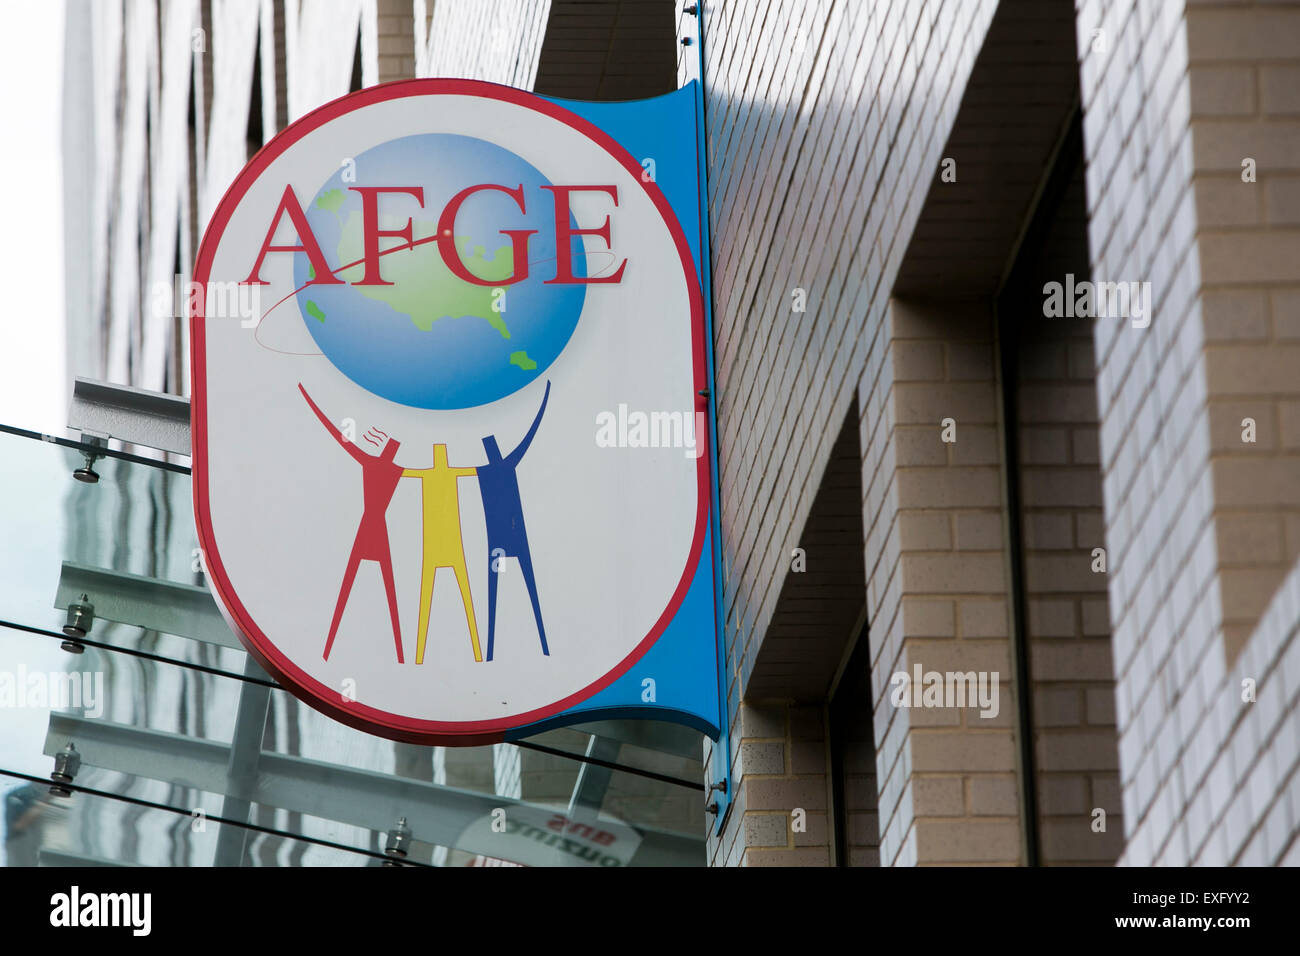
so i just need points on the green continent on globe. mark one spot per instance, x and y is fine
(423, 288)
(314, 311)
(331, 200)
(521, 359)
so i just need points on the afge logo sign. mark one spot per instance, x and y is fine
(402, 501)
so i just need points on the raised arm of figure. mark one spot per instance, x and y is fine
(350, 447)
(515, 456)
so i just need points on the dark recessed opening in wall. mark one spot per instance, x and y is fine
(173, 374)
(281, 67)
(194, 157)
(852, 739)
(255, 131)
(824, 589)
(355, 83)
(1017, 307)
(805, 655)
(1056, 522)
(608, 50)
(204, 63)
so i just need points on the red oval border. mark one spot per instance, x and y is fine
(297, 681)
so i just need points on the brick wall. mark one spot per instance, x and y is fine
(1199, 526)
(782, 746)
(825, 123)
(1061, 525)
(781, 764)
(1244, 78)
(936, 585)
(395, 30)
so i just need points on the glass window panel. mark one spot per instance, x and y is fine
(138, 520)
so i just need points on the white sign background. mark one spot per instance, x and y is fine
(614, 532)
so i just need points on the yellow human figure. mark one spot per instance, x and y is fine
(443, 545)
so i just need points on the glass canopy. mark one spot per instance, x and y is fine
(191, 755)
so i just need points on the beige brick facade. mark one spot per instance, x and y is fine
(1200, 519)
(932, 512)
(936, 585)
(1125, 554)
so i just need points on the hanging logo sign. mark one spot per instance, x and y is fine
(451, 467)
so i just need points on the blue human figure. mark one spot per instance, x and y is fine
(504, 514)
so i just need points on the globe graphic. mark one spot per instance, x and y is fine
(430, 339)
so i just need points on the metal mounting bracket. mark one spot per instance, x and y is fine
(151, 419)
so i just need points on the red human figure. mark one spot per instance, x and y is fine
(379, 478)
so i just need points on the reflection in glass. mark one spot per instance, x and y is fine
(168, 715)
